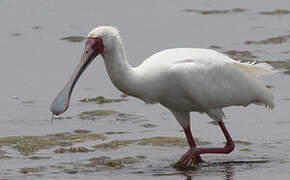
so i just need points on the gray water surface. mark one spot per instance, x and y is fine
(36, 62)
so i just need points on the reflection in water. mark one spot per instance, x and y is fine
(227, 169)
(214, 169)
(229, 172)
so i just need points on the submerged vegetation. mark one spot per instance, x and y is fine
(102, 100)
(208, 12)
(160, 141)
(108, 163)
(276, 12)
(92, 114)
(27, 170)
(281, 65)
(27, 145)
(271, 40)
(71, 150)
(240, 55)
(73, 38)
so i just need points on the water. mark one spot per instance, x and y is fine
(36, 63)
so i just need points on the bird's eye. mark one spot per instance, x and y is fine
(99, 40)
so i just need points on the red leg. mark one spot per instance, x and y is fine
(189, 157)
(229, 147)
(193, 154)
(192, 144)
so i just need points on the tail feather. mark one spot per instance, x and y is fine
(256, 69)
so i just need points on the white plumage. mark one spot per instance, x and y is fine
(186, 79)
(181, 79)
(203, 80)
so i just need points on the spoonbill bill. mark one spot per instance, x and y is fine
(181, 79)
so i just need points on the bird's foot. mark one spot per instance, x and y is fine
(189, 159)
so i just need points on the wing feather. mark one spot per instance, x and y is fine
(216, 85)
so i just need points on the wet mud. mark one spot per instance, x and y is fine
(15, 34)
(28, 145)
(276, 12)
(116, 132)
(215, 47)
(241, 55)
(92, 115)
(148, 125)
(284, 66)
(73, 38)
(209, 12)
(71, 150)
(27, 170)
(271, 40)
(108, 163)
(102, 100)
(158, 141)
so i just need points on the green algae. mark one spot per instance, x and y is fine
(102, 100)
(281, 65)
(276, 12)
(114, 144)
(215, 47)
(161, 141)
(271, 40)
(105, 162)
(5, 157)
(86, 136)
(71, 150)
(62, 117)
(246, 149)
(2, 152)
(57, 166)
(148, 125)
(73, 38)
(28, 102)
(240, 55)
(128, 117)
(81, 131)
(71, 171)
(209, 12)
(39, 157)
(101, 163)
(92, 114)
(116, 132)
(27, 170)
(27, 145)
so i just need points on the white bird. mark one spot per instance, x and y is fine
(182, 80)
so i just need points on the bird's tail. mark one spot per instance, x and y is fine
(256, 69)
(266, 98)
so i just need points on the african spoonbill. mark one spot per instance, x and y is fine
(182, 80)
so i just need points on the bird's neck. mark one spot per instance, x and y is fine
(119, 70)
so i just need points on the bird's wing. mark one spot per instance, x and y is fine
(215, 85)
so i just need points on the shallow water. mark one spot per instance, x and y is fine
(41, 42)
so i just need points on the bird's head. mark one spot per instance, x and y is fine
(106, 34)
(99, 41)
